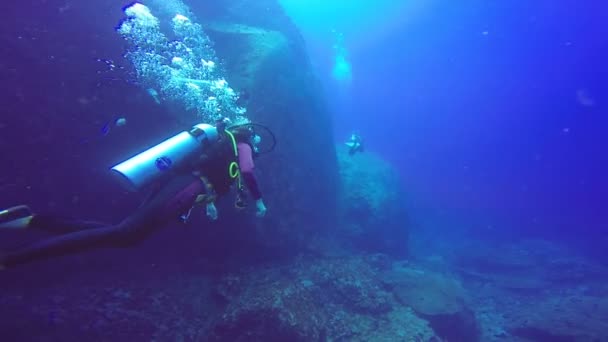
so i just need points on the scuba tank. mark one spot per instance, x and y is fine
(149, 165)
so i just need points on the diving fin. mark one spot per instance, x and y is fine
(18, 217)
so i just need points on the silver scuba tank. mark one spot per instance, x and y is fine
(147, 166)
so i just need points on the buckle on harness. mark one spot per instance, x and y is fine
(209, 196)
(185, 217)
(204, 198)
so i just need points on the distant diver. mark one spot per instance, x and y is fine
(355, 144)
(191, 169)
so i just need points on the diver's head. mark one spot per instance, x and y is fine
(222, 123)
(245, 134)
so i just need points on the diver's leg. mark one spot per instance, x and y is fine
(61, 225)
(21, 217)
(121, 235)
(131, 230)
(79, 238)
(66, 244)
(165, 204)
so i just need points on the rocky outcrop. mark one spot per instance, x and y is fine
(317, 300)
(371, 204)
(536, 291)
(436, 297)
(560, 318)
(267, 63)
(245, 49)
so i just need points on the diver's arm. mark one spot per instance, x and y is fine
(252, 185)
(247, 167)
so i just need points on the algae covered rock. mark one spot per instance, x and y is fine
(266, 62)
(438, 298)
(537, 290)
(558, 318)
(330, 299)
(371, 203)
(427, 292)
(248, 47)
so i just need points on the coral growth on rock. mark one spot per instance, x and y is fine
(330, 299)
(372, 210)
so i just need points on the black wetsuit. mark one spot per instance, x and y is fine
(175, 197)
(171, 200)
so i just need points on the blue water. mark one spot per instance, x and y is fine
(493, 112)
(477, 211)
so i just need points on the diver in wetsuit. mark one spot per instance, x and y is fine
(216, 159)
(355, 144)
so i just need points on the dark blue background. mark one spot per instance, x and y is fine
(486, 129)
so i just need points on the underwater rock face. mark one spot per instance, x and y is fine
(266, 62)
(247, 48)
(371, 204)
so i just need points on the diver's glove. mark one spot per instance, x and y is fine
(261, 208)
(211, 211)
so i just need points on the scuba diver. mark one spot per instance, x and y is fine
(189, 170)
(355, 144)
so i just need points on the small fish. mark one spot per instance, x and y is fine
(118, 122)
(105, 129)
(154, 94)
(109, 64)
(65, 7)
(584, 98)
